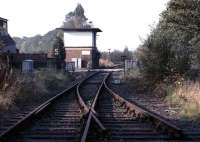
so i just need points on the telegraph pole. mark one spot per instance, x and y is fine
(109, 54)
(123, 58)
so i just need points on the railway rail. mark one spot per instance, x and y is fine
(90, 111)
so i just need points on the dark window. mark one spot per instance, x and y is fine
(5, 25)
(1, 23)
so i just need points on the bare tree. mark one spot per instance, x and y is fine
(5, 69)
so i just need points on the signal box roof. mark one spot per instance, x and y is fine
(80, 29)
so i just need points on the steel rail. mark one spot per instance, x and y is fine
(140, 112)
(91, 114)
(82, 104)
(22, 123)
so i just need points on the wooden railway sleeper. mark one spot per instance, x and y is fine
(91, 117)
(98, 122)
(139, 111)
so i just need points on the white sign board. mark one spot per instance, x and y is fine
(130, 64)
(78, 39)
(85, 53)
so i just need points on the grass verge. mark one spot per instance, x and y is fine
(30, 89)
(180, 94)
(185, 96)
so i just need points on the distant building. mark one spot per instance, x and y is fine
(9, 43)
(80, 47)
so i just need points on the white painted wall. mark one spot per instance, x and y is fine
(77, 62)
(78, 39)
(85, 53)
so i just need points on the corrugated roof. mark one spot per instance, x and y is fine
(3, 19)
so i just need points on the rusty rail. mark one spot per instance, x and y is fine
(36, 112)
(140, 112)
(91, 114)
(133, 108)
(82, 104)
(33, 114)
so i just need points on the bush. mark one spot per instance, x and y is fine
(136, 81)
(160, 56)
(170, 56)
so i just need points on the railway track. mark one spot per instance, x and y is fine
(91, 111)
(122, 126)
(124, 121)
(57, 119)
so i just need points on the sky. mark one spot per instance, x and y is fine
(123, 22)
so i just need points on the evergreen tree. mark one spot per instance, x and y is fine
(183, 17)
(79, 11)
(59, 51)
(76, 19)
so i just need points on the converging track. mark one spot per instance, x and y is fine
(90, 111)
(124, 121)
(58, 119)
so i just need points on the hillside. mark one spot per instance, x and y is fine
(36, 44)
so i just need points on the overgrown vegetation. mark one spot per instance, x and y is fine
(115, 56)
(5, 69)
(172, 46)
(186, 97)
(34, 88)
(171, 52)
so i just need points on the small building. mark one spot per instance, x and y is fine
(8, 42)
(80, 47)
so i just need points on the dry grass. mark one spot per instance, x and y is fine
(182, 95)
(186, 96)
(34, 88)
(105, 63)
(133, 73)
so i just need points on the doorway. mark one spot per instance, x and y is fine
(84, 63)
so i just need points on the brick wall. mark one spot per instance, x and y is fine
(77, 53)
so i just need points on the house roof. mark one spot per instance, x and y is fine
(80, 29)
(7, 40)
(2, 19)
